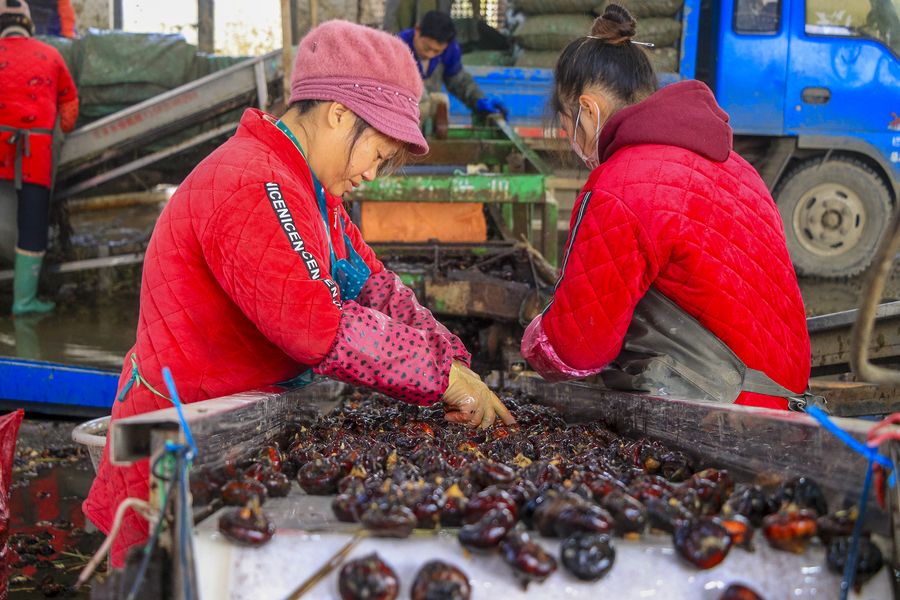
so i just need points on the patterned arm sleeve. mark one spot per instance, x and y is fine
(373, 350)
(386, 293)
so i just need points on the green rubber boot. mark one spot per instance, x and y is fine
(28, 271)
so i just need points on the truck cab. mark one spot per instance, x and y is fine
(813, 91)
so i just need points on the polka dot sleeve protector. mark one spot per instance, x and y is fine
(371, 349)
(386, 293)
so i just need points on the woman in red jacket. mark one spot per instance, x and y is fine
(255, 273)
(677, 279)
(36, 88)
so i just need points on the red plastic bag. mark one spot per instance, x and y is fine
(9, 430)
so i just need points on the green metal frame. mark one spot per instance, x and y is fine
(511, 189)
(513, 199)
(520, 197)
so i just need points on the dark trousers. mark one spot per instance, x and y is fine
(33, 217)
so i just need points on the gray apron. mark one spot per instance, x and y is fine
(667, 352)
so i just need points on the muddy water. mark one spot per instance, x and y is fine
(88, 335)
(97, 310)
(48, 536)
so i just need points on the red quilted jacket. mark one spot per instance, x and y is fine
(674, 206)
(230, 302)
(35, 87)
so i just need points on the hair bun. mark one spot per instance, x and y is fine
(615, 26)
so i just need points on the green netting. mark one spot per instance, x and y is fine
(659, 32)
(664, 60)
(552, 32)
(118, 58)
(546, 7)
(642, 9)
(114, 70)
(67, 48)
(487, 58)
(125, 94)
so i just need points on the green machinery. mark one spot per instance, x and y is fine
(493, 286)
(514, 182)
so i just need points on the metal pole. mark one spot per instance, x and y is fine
(117, 10)
(206, 26)
(287, 47)
(296, 30)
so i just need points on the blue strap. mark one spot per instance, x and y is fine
(128, 385)
(849, 574)
(302, 380)
(870, 454)
(176, 400)
(350, 273)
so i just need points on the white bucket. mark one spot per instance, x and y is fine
(93, 435)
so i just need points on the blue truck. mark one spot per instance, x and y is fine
(813, 90)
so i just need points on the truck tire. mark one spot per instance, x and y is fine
(834, 213)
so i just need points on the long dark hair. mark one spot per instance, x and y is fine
(605, 58)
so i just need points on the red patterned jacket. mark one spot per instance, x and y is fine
(674, 206)
(35, 87)
(236, 295)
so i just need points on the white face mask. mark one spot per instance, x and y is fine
(592, 160)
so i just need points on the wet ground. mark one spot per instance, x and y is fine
(95, 335)
(49, 538)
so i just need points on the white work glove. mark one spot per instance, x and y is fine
(469, 401)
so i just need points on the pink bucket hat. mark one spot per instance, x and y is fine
(370, 72)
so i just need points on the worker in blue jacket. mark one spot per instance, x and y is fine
(440, 63)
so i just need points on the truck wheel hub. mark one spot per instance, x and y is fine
(829, 219)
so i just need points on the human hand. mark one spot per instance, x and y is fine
(492, 105)
(469, 401)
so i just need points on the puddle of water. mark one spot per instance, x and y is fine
(85, 335)
(48, 541)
